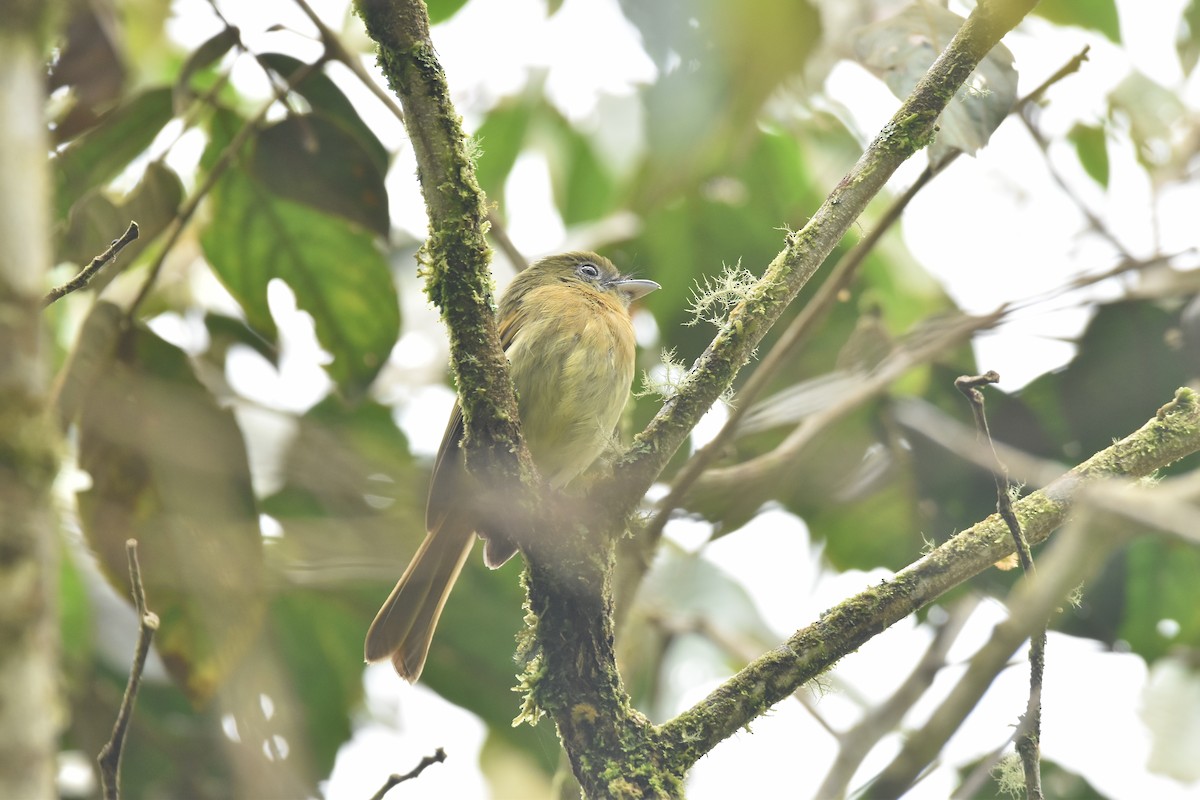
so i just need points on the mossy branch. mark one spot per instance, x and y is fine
(911, 128)
(613, 750)
(1171, 435)
(573, 676)
(456, 256)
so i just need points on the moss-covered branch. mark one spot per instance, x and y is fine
(614, 752)
(456, 255)
(909, 130)
(573, 675)
(1171, 435)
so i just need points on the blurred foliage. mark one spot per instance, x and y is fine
(733, 141)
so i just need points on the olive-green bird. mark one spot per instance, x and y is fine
(565, 326)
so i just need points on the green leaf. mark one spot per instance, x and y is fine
(442, 10)
(1091, 147)
(500, 138)
(203, 57)
(1187, 39)
(324, 95)
(584, 189)
(1097, 15)
(313, 160)
(88, 58)
(337, 273)
(1161, 585)
(74, 613)
(319, 642)
(168, 468)
(225, 331)
(719, 63)
(1154, 114)
(900, 50)
(103, 152)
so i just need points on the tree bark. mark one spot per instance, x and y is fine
(30, 709)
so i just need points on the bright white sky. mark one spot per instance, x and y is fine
(1010, 246)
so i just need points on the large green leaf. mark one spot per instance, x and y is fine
(1161, 587)
(900, 50)
(325, 96)
(442, 10)
(719, 62)
(337, 272)
(500, 138)
(99, 155)
(312, 160)
(1097, 15)
(168, 468)
(319, 642)
(584, 186)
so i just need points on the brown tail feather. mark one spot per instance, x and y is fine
(403, 628)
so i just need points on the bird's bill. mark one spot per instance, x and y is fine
(634, 288)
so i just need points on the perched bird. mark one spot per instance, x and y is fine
(565, 327)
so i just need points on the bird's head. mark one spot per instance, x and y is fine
(587, 271)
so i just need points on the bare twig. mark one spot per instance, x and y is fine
(920, 348)
(1031, 723)
(499, 235)
(109, 759)
(334, 49)
(87, 273)
(857, 742)
(1094, 222)
(438, 757)
(1076, 554)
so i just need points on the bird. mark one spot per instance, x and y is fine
(566, 329)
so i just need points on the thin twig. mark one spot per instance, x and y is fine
(1094, 222)
(87, 273)
(920, 347)
(1031, 722)
(855, 743)
(499, 235)
(335, 50)
(109, 759)
(438, 757)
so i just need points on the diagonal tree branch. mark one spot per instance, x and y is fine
(1171, 435)
(910, 129)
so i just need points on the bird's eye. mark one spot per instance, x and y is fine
(588, 270)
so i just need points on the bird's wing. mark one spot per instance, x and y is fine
(444, 487)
